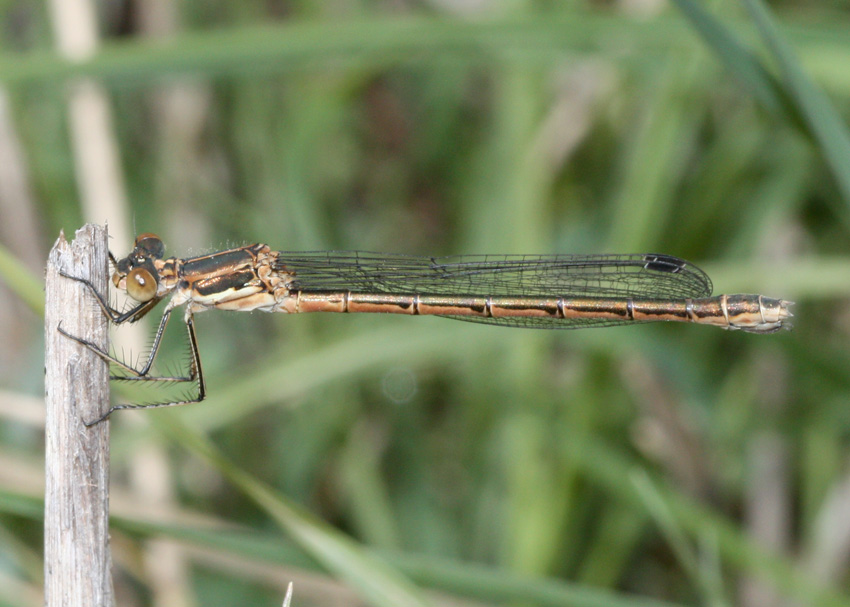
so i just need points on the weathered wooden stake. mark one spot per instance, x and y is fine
(77, 560)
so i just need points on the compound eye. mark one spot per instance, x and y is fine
(151, 243)
(141, 285)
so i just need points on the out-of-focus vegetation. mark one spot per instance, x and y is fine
(384, 458)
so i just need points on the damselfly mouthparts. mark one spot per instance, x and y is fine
(534, 291)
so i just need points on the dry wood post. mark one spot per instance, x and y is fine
(77, 560)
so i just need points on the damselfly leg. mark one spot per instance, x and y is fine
(195, 373)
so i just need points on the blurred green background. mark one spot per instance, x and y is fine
(420, 460)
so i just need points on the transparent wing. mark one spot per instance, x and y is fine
(639, 276)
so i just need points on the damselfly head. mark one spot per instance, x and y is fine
(136, 274)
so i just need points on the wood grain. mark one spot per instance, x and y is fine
(77, 559)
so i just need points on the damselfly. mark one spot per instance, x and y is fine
(535, 291)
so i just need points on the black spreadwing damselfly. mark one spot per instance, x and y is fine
(533, 291)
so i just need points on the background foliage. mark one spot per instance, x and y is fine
(378, 459)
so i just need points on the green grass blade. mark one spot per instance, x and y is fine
(818, 113)
(677, 539)
(733, 54)
(23, 284)
(613, 472)
(479, 582)
(795, 93)
(372, 578)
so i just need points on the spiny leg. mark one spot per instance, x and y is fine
(147, 301)
(195, 371)
(135, 374)
(142, 374)
(118, 318)
(133, 314)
